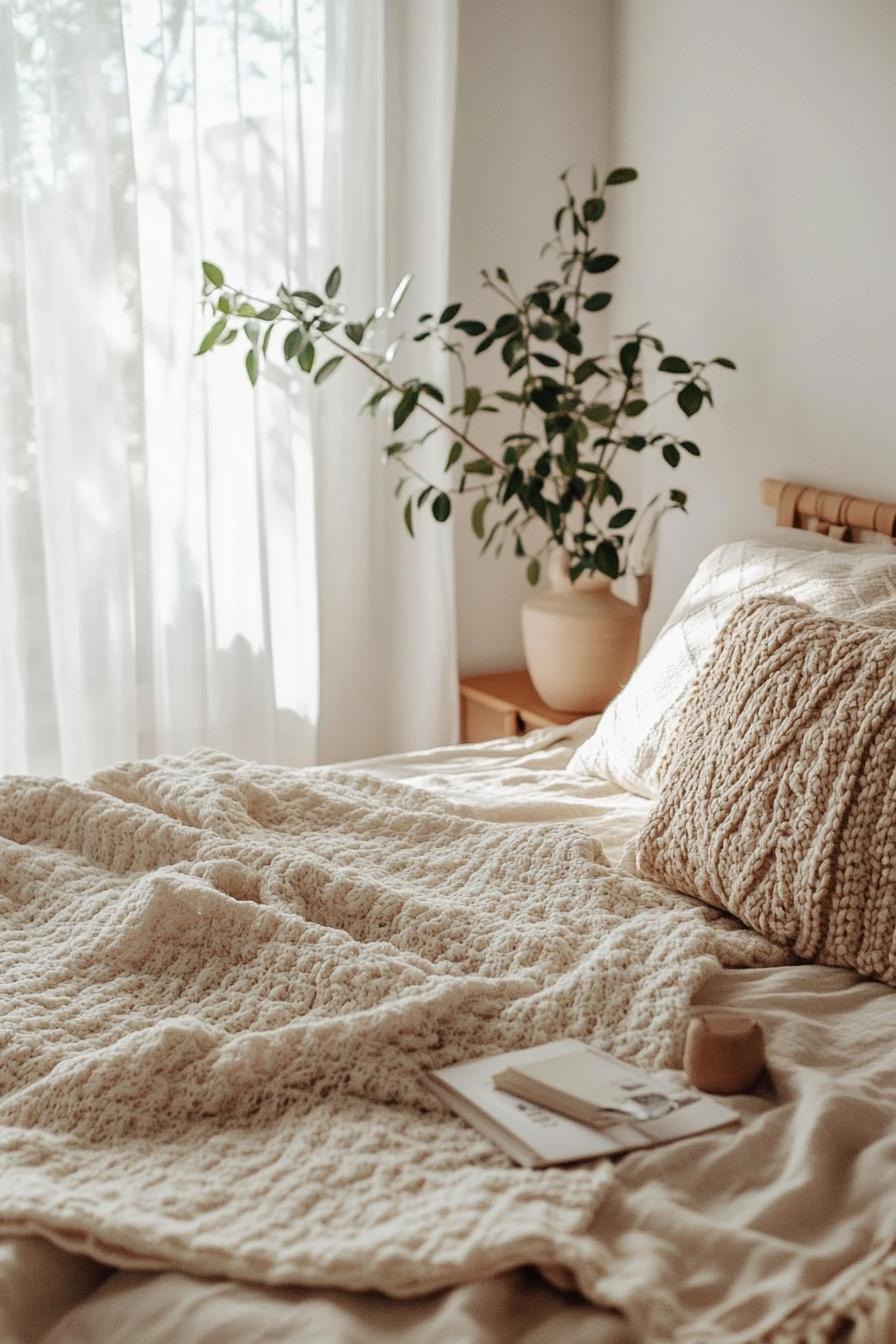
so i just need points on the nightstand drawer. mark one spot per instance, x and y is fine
(503, 704)
(480, 722)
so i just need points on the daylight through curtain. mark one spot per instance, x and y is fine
(184, 562)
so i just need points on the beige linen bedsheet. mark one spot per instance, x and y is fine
(751, 1218)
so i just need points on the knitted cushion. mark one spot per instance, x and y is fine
(779, 797)
(833, 577)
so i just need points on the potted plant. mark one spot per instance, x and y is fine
(546, 486)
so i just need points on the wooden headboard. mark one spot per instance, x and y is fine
(829, 511)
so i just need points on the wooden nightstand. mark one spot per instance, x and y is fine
(504, 704)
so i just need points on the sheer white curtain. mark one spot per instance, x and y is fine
(184, 561)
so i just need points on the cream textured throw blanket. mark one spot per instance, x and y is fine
(220, 984)
(779, 800)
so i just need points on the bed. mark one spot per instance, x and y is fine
(771, 1230)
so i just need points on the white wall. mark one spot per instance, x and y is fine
(533, 98)
(764, 227)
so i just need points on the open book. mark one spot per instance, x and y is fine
(634, 1109)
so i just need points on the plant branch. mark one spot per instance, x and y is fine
(384, 377)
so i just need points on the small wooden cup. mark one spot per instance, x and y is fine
(724, 1053)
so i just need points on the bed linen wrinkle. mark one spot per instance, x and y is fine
(661, 1222)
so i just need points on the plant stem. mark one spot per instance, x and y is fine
(378, 373)
(427, 410)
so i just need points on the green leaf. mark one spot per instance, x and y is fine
(501, 274)
(484, 344)
(223, 304)
(671, 454)
(595, 302)
(441, 508)
(211, 336)
(246, 310)
(230, 337)
(689, 447)
(506, 324)
(606, 559)
(268, 314)
(622, 518)
(454, 453)
(450, 313)
(472, 398)
(252, 365)
(478, 466)
(471, 327)
(599, 413)
(406, 404)
(585, 370)
(548, 361)
(355, 332)
(477, 517)
(620, 175)
(329, 367)
(409, 516)
(690, 399)
(724, 361)
(295, 339)
(306, 358)
(674, 364)
(635, 407)
(533, 571)
(568, 340)
(593, 209)
(308, 297)
(392, 448)
(490, 538)
(333, 281)
(628, 357)
(605, 261)
(678, 497)
(213, 274)
(433, 391)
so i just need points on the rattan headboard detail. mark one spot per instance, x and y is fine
(829, 511)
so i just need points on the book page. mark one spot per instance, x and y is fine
(552, 1136)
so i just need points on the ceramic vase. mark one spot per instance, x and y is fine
(581, 640)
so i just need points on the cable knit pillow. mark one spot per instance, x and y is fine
(835, 578)
(779, 797)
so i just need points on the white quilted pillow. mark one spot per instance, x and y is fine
(833, 577)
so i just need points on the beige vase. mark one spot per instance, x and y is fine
(581, 640)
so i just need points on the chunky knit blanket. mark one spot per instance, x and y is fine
(778, 802)
(221, 984)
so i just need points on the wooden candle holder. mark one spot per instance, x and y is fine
(724, 1053)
